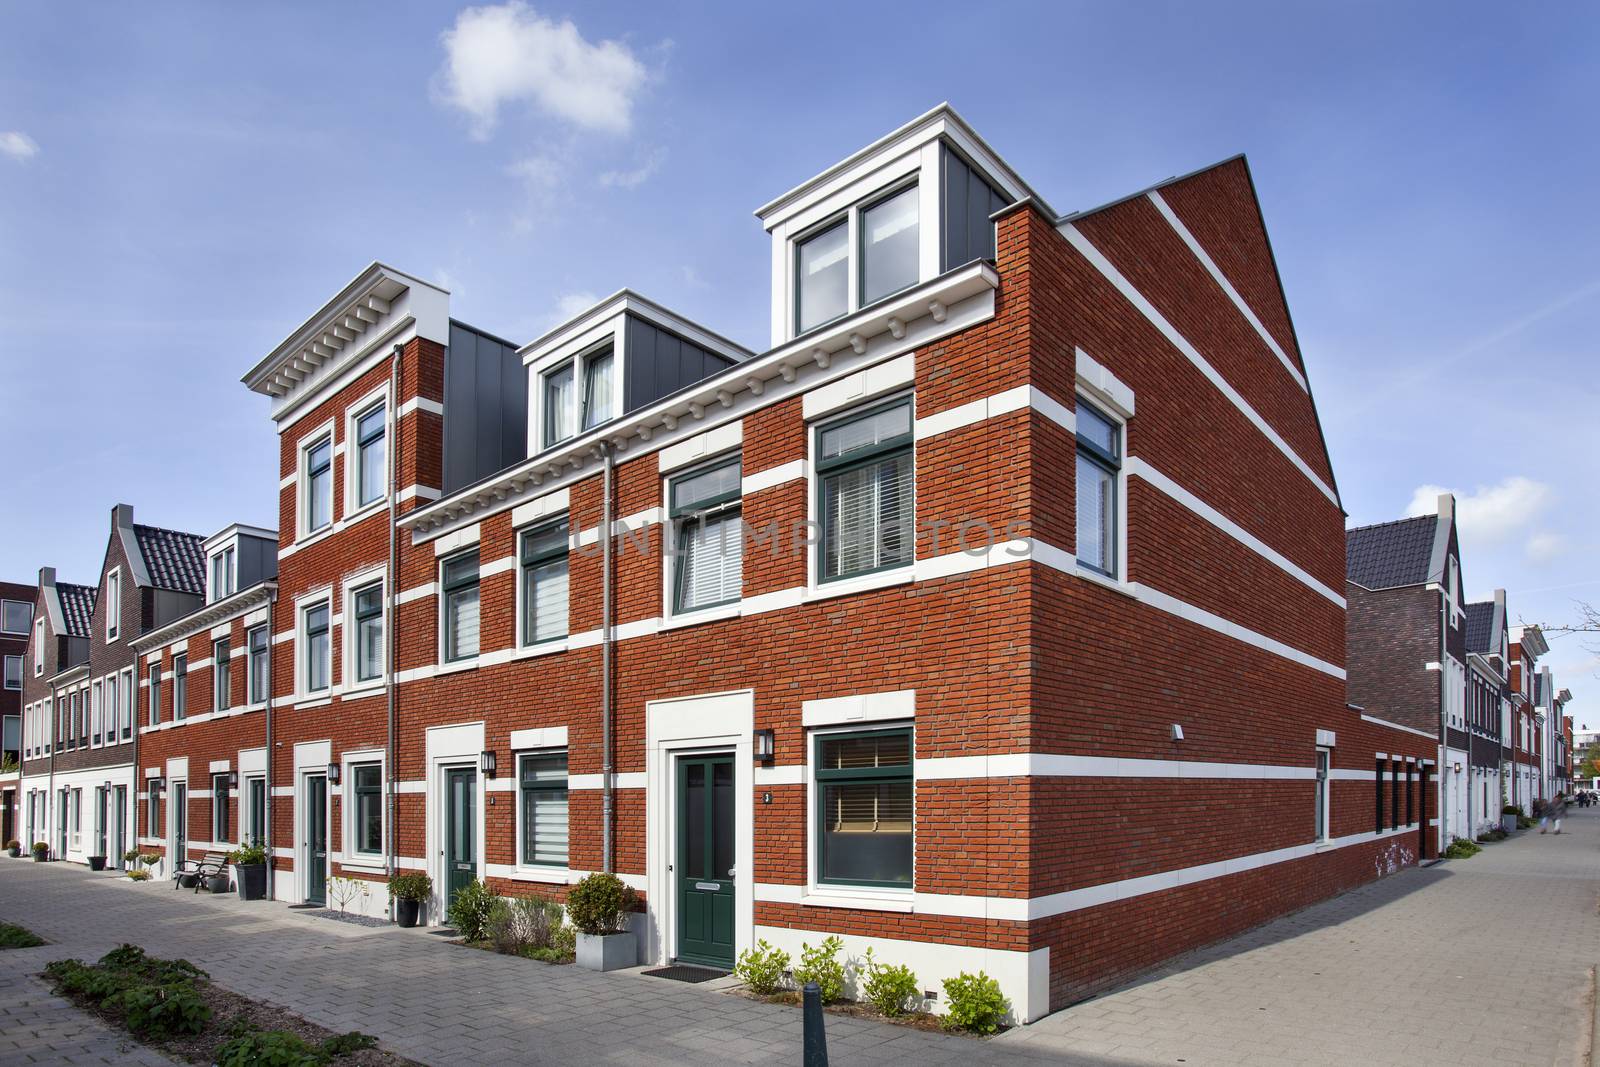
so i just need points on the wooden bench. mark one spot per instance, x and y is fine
(212, 863)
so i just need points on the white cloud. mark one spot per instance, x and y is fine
(1491, 514)
(631, 179)
(538, 171)
(570, 304)
(1545, 546)
(18, 145)
(508, 53)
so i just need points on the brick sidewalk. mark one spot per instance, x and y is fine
(1477, 961)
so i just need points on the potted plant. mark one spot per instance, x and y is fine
(409, 891)
(14, 848)
(130, 857)
(41, 851)
(250, 867)
(1508, 817)
(188, 879)
(599, 907)
(218, 882)
(97, 863)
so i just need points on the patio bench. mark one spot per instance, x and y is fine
(212, 863)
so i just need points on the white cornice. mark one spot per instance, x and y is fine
(645, 308)
(916, 317)
(205, 617)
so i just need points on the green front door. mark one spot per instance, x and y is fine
(460, 830)
(119, 820)
(705, 860)
(316, 839)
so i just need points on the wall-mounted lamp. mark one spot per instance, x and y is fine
(1456, 768)
(233, 779)
(333, 774)
(486, 762)
(1177, 732)
(158, 784)
(765, 745)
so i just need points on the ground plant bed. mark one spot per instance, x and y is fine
(13, 936)
(542, 955)
(918, 1020)
(172, 1006)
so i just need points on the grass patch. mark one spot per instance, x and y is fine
(13, 936)
(173, 1006)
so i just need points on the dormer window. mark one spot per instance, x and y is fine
(887, 240)
(566, 409)
(598, 405)
(224, 576)
(822, 287)
(559, 421)
(889, 246)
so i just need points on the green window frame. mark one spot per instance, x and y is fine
(459, 576)
(180, 686)
(319, 485)
(155, 695)
(542, 783)
(257, 643)
(866, 491)
(219, 807)
(371, 454)
(221, 674)
(704, 505)
(368, 652)
(319, 648)
(870, 286)
(256, 797)
(836, 231)
(366, 830)
(543, 552)
(1099, 465)
(865, 808)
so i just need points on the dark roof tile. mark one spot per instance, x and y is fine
(1390, 554)
(1480, 620)
(176, 560)
(77, 604)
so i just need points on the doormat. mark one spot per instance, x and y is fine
(305, 907)
(682, 973)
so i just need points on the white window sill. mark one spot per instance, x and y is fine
(861, 899)
(866, 583)
(1114, 584)
(546, 875)
(1325, 845)
(364, 689)
(313, 702)
(365, 865)
(364, 510)
(543, 648)
(695, 618)
(313, 536)
(470, 664)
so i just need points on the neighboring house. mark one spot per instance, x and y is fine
(1488, 709)
(57, 647)
(204, 681)
(1527, 734)
(1407, 648)
(16, 623)
(899, 615)
(148, 577)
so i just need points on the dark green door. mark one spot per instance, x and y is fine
(705, 860)
(180, 821)
(119, 823)
(460, 830)
(317, 839)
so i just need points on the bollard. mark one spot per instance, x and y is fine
(816, 1040)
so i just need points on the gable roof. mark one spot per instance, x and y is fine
(1480, 628)
(77, 607)
(175, 560)
(1390, 554)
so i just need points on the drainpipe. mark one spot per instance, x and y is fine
(51, 733)
(607, 800)
(389, 608)
(1444, 728)
(272, 855)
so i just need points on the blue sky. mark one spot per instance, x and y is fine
(182, 184)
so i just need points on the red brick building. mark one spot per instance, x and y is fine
(16, 623)
(992, 618)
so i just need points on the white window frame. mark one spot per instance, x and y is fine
(815, 585)
(302, 659)
(1323, 783)
(96, 712)
(531, 871)
(221, 694)
(113, 604)
(228, 556)
(9, 660)
(352, 585)
(17, 633)
(246, 809)
(302, 492)
(868, 896)
(250, 698)
(127, 696)
(850, 214)
(366, 861)
(38, 647)
(183, 714)
(353, 414)
(577, 350)
(441, 637)
(671, 527)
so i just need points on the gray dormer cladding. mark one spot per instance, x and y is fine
(659, 363)
(257, 561)
(485, 407)
(967, 200)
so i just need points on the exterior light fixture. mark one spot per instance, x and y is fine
(333, 774)
(486, 762)
(765, 745)
(233, 779)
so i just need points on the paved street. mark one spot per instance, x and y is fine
(1479, 961)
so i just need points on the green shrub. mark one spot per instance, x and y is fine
(150, 859)
(344, 1044)
(130, 856)
(16, 937)
(563, 945)
(269, 1048)
(822, 966)
(248, 854)
(762, 968)
(14, 843)
(518, 927)
(469, 912)
(162, 1011)
(888, 988)
(1512, 809)
(139, 875)
(40, 848)
(1460, 849)
(413, 885)
(976, 1003)
(599, 904)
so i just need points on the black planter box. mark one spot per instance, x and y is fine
(406, 912)
(218, 883)
(188, 881)
(252, 881)
(97, 863)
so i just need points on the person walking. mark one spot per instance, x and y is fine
(1558, 809)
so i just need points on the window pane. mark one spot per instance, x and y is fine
(824, 277)
(1098, 429)
(876, 428)
(866, 833)
(369, 649)
(544, 809)
(318, 650)
(693, 490)
(461, 570)
(710, 555)
(559, 416)
(13, 672)
(368, 808)
(319, 490)
(597, 382)
(544, 541)
(544, 601)
(1096, 515)
(874, 751)
(18, 614)
(461, 622)
(889, 253)
(867, 515)
(373, 448)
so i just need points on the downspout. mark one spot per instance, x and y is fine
(272, 854)
(50, 787)
(1444, 730)
(607, 799)
(389, 609)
